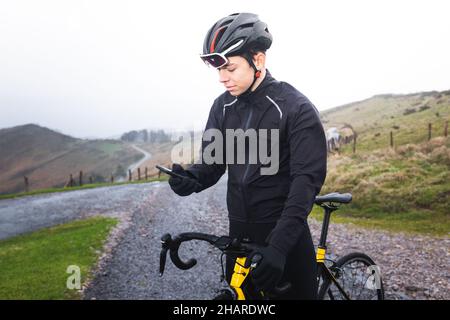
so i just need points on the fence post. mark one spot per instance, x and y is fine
(446, 129)
(25, 178)
(81, 178)
(90, 179)
(112, 178)
(429, 131)
(354, 144)
(392, 140)
(146, 174)
(129, 175)
(139, 173)
(70, 181)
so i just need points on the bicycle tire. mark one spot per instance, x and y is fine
(344, 272)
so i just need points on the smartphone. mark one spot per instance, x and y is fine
(173, 174)
(169, 171)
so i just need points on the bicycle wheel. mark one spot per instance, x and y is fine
(358, 275)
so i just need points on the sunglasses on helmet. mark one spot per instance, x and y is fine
(218, 60)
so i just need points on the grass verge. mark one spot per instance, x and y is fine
(33, 266)
(411, 222)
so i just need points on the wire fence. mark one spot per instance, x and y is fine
(334, 145)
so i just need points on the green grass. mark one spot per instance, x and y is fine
(33, 266)
(412, 222)
(406, 189)
(392, 192)
(109, 147)
(86, 186)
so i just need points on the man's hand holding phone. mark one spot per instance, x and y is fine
(181, 181)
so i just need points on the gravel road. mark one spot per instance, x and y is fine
(30, 213)
(413, 267)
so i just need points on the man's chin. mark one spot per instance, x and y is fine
(234, 93)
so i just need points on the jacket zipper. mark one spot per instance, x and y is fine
(247, 123)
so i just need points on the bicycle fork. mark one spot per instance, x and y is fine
(239, 275)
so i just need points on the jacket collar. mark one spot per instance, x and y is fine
(260, 92)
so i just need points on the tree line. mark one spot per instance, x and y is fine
(153, 136)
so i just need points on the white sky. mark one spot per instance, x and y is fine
(100, 68)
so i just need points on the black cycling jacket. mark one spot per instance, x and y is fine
(287, 196)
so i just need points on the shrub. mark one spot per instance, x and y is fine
(409, 111)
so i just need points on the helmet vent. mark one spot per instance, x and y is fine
(216, 38)
(247, 25)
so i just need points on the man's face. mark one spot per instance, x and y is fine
(236, 76)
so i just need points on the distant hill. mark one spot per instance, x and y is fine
(47, 158)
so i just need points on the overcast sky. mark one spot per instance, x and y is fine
(100, 68)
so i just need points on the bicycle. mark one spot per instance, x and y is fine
(337, 279)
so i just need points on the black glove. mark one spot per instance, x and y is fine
(269, 270)
(183, 186)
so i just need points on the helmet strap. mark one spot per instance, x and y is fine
(256, 75)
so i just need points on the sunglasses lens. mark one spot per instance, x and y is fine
(214, 60)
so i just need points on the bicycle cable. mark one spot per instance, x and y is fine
(222, 276)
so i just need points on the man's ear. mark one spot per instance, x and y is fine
(259, 59)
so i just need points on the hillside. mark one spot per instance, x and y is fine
(47, 158)
(404, 188)
(407, 189)
(407, 116)
(162, 152)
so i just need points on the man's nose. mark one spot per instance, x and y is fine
(223, 76)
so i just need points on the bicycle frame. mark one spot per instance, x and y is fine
(323, 269)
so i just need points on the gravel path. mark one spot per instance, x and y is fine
(132, 271)
(35, 212)
(413, 267)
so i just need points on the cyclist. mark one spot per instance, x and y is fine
(270, 209)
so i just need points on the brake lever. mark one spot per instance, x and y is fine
(256, 259)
